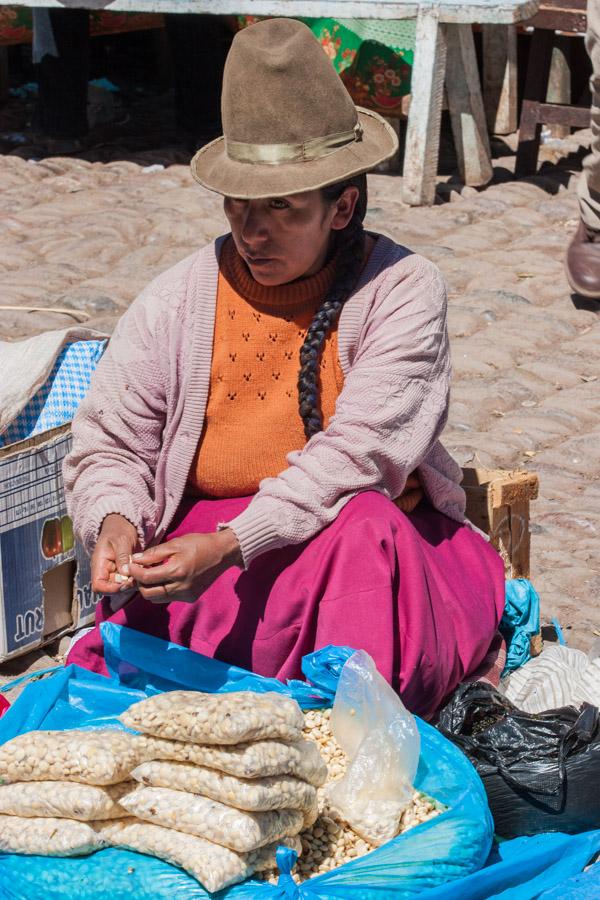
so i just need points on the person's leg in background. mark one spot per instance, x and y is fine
(198, 50)
(583, 255)
(61, 49)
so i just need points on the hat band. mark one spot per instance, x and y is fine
(280, 154)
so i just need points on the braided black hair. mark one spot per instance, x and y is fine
(350, 245)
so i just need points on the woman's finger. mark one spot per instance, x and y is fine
(175, 591)
(105, 586)
(155, 575)
(123, 550)
(153, 555)
(122, 580)
(160, 593)
(101, 567)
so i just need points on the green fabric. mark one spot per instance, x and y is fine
(373, 57)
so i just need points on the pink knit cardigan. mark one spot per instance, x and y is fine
(135, 434)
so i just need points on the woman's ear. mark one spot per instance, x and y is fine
(344, 208)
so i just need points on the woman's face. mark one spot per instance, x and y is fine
(284, 238)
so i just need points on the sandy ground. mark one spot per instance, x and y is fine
(86, 234)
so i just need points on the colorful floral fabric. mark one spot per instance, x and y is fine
(373, 58)
(16, 23)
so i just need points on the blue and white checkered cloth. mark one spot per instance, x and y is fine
(57, 400)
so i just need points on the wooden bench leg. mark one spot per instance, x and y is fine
(466, 107)
(500, 77)
(423, 128)
(536, 86)
(559, 80)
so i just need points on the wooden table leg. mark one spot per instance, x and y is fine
(536, 87)
(423, 128)
(500, 77)
(559, 81)
(466, 107)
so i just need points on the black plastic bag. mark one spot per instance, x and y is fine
(540, 772)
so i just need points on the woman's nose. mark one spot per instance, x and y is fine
(254, 225)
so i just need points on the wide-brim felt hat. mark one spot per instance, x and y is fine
(289, 123)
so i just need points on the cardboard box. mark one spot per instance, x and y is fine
(45, 587)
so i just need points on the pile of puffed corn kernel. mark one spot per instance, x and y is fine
(330, 842)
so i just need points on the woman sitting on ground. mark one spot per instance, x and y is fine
(264, 425)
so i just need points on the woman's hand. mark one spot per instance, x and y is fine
(183, 568)
(117, 541)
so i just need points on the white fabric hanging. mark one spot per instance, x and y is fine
(559, 676)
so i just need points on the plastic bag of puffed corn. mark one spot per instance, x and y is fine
(215, 867)
(89, 757)
(258, 759)
(48, 836)
(217, 718)
(382, 742)
(233, 828)
(63, 800)
(254, 794)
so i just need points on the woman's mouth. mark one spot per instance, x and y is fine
(258, 260)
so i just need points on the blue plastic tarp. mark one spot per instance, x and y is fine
(442, 858)
(151, 665)
(526, 868)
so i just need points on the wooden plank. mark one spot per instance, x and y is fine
(457, 11)
(536, 85)
(500, 77)
(559, 81)
(559, 20)
(423, 128)
(498, 503)
(564, 4)
(479, 476)
(477, 508)
(501, 536)
(514, 488)
(575, 116)
(520, 539)
(465, 103)
(536, 644)
(476, 476)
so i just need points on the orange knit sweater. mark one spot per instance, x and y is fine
(252, 418)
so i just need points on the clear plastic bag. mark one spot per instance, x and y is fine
(213, 866)
(255, 760)
(63, 800)
(212, 719)
(48, 836)
(381, 740)
(255, 795)
(232, 828)
(89, 757)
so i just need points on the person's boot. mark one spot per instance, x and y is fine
(582, 264)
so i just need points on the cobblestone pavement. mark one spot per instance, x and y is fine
(87, 236)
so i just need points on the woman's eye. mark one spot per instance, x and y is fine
(278, 203)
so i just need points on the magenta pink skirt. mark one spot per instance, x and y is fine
(420, 593)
